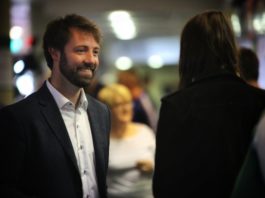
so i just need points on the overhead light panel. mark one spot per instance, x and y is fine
(155, 61)
(236, 24)
(123, 63)
(122, 25)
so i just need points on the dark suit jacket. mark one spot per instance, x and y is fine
(203, 135)
(37, 157)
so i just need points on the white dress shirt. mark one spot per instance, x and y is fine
(78, 127)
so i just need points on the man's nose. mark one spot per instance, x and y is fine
(90, 58)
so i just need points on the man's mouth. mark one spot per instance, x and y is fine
(92, 67)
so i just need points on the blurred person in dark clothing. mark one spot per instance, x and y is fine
(94, 88)
(204, 128)
(55, 142)
(143, 107)
(249, 66)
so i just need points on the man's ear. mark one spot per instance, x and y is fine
(55, 54)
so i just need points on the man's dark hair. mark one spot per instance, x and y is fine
(248, 64)
(207, 47)
(58, 33)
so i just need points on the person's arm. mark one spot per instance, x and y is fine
(259, 143)
(146, 163)
(249, 182)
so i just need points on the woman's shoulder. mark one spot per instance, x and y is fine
(143, 129)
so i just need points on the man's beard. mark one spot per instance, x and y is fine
(72, 74)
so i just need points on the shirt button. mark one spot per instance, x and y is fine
(81, 147)
(84, 172)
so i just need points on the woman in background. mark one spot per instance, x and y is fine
(132, 147)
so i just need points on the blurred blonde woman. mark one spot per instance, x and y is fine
(132, 147)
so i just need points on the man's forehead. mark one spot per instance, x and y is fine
(78, 34)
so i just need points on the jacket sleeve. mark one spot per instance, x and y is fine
(249, 182)
(12, 152)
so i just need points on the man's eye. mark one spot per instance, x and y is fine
(96, 53)
(80, 50)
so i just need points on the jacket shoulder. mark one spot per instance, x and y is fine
(23, 103)
(95, 102)
(172, 97)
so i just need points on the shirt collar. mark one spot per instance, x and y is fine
(83, 103)
(61, 100)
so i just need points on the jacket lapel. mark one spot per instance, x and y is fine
(54, 119)
(95, 123)
(99, 140)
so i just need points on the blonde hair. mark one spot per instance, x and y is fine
(110, 93)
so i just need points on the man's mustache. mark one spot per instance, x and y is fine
(90, 66)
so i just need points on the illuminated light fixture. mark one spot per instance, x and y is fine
(122, 25)
(123, 63)
(25, 83)
(19, 66)
(16, 45)
(259, 23)
(20, 21)
(155, 61)
(16, 32)
(236, 24)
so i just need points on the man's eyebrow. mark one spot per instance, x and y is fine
(87, 46)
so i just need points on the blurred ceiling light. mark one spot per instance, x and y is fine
(123, 63)
(20, 20)
(16, 45)
(259, 23)
(19, 66)
(16, 32)
(236, 24)
(155, 61)
(25, 83)
(122, 25)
